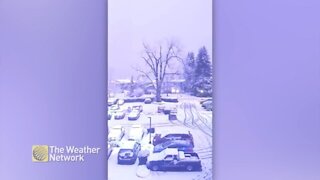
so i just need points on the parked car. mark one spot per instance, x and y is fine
(172, 136)
(172, 116)
(170, 99)
(208, 105)
(138, 107)
(161, 109)
(112, 101)
(136, 133)
(148, 101)
(120, 102)
(114, 108)
(181, 145)
(119, 114)
(205, 100)
(115, 134)
(134, 115)
(173, 159)
(128, 152)
(169, 109)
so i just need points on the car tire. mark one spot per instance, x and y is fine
(155, 168)
(189, 168)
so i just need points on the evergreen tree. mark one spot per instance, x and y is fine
(189, 68)
(203, 74)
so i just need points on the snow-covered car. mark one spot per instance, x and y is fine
(161, 108)
(205, 100)
(173, 159)
(134, 115)
(136, 133)
(208, 105)
(170, 99)
(181, 145)
(120, 102)
(158, 138)
(138, 107)
(128, 152)
(114, 108)
(119, 114)
(112, 101)
(169, 109)
(148, 101)
(115, 134)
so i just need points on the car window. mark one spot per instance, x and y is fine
(168, 157)
(166, 144)
(125, 152)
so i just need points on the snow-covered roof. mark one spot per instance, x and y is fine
(117, 127)
(171, 151)
(176, 80)
(161, 155)
(122, 81)
(128, 144)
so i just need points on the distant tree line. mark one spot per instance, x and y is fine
(197, 70)
(198, 73)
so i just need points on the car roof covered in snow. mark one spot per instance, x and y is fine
(117, 127)
(161, 155)
(171, 151)
(128, 144)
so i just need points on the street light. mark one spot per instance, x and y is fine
(149, 130)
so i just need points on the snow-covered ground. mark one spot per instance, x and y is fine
(191, 117)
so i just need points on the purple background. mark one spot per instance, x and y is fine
(267, 90)
(267, 56)
(52, 86)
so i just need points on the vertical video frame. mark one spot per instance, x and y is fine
(160, 78)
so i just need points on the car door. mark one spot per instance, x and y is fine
(168, 162)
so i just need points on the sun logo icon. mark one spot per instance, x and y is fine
(40, 153)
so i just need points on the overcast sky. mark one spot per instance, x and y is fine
(130, 23)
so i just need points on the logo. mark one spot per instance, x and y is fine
(50, 153)
(40, 153)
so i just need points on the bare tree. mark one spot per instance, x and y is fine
(158, 61)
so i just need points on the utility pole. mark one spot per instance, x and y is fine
(150, 129)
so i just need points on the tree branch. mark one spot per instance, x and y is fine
(146, 74)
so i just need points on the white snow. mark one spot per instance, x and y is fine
(191, 117)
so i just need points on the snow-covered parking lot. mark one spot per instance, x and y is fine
(190, 117)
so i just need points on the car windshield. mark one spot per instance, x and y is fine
(177, 136)
(126, 152)
(166, 144)
(176, 143)
(134, 112)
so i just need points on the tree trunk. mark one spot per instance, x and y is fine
(158, 92)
